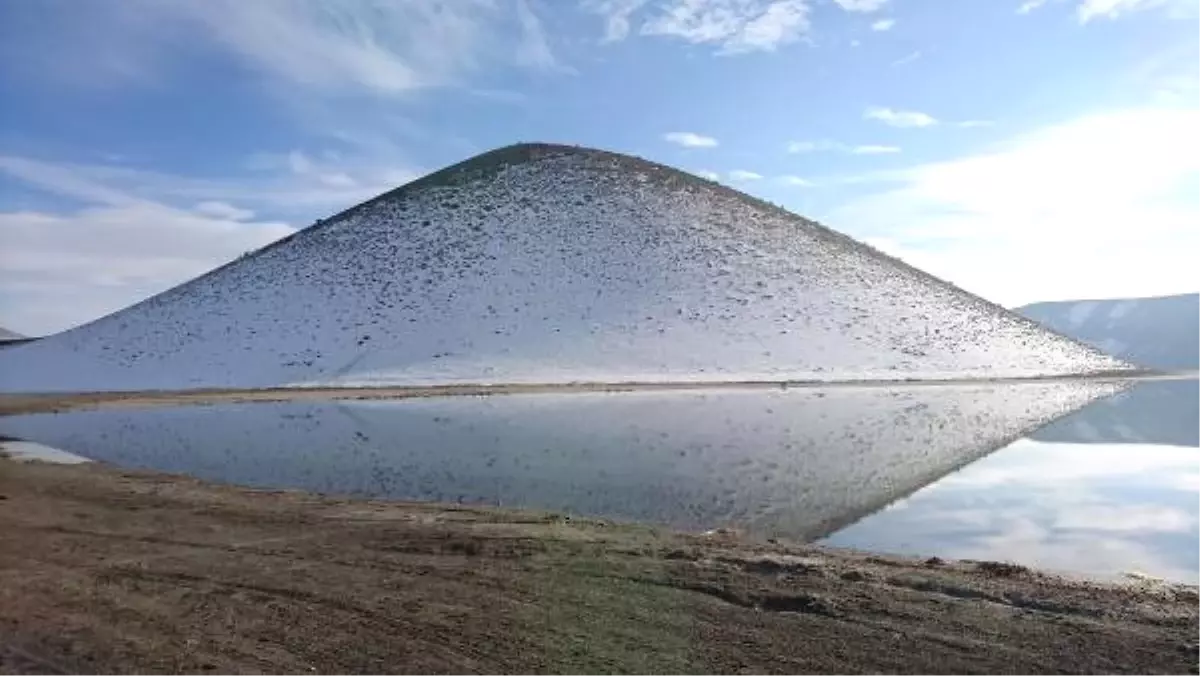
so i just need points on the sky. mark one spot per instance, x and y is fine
(1025, 150)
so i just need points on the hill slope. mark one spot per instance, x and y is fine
(539, 263)
(1162, 332)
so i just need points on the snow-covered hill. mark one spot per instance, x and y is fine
(5, 334)
(540, 263)
(1162, 332)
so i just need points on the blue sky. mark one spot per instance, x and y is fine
(1024, 150)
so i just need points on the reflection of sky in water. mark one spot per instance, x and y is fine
(796, 463)
(1097, 508)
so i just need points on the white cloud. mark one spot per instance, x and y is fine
(61, 269)
(710, 175)
(297, 178)
(782, 22)
(1053, 506)
(796, 181)
(874, 150)
(743, 175)
(533, 47)
(883, 25)
(907, 58)
(294, 183)
(689, 139)
(1169, 75)
(899, 118)
(1087, 10)
(834, 146)
(1059, 464)
(616, 14)
(1131, 518)
(971, 124)
(810, 146)
(861, 5)
(1111, 9)
(141, 232)
(223, 210)
(1177, 88)
(1053, 214)
(736, 26)
(334, 45)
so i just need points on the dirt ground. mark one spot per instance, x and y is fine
(104, 570)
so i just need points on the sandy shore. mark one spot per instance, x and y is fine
(105, 570)
(14, 404)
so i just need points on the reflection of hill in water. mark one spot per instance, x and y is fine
(1158, 412)
(795, 463)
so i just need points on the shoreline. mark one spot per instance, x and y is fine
(51, 402)
(107, 569)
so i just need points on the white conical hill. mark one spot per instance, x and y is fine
(541, 263)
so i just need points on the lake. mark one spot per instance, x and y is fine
(1112, 489)
(958, 471)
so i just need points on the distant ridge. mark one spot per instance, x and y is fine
(1160, 332)
(5, 334)
(547, 263)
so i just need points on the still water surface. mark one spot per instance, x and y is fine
(1112, 488)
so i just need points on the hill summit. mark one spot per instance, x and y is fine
(545, 263)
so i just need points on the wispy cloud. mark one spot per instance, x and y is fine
(874, 150)
(883, 25)
(796, 181)
(899, 118)
(835, 146)
(743, 175)
(710, 175)
(533, 47)
(381, 48)
(861, 5)
(1087, 10)
(222, 210)
(61, 269)
(810, 146)
(733, 26)
(1111, 9)
(124, 233)
(907, 58)
(689, 139)
(617, 15)
(971, 124)
(1176, 88)
(1169, 75)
